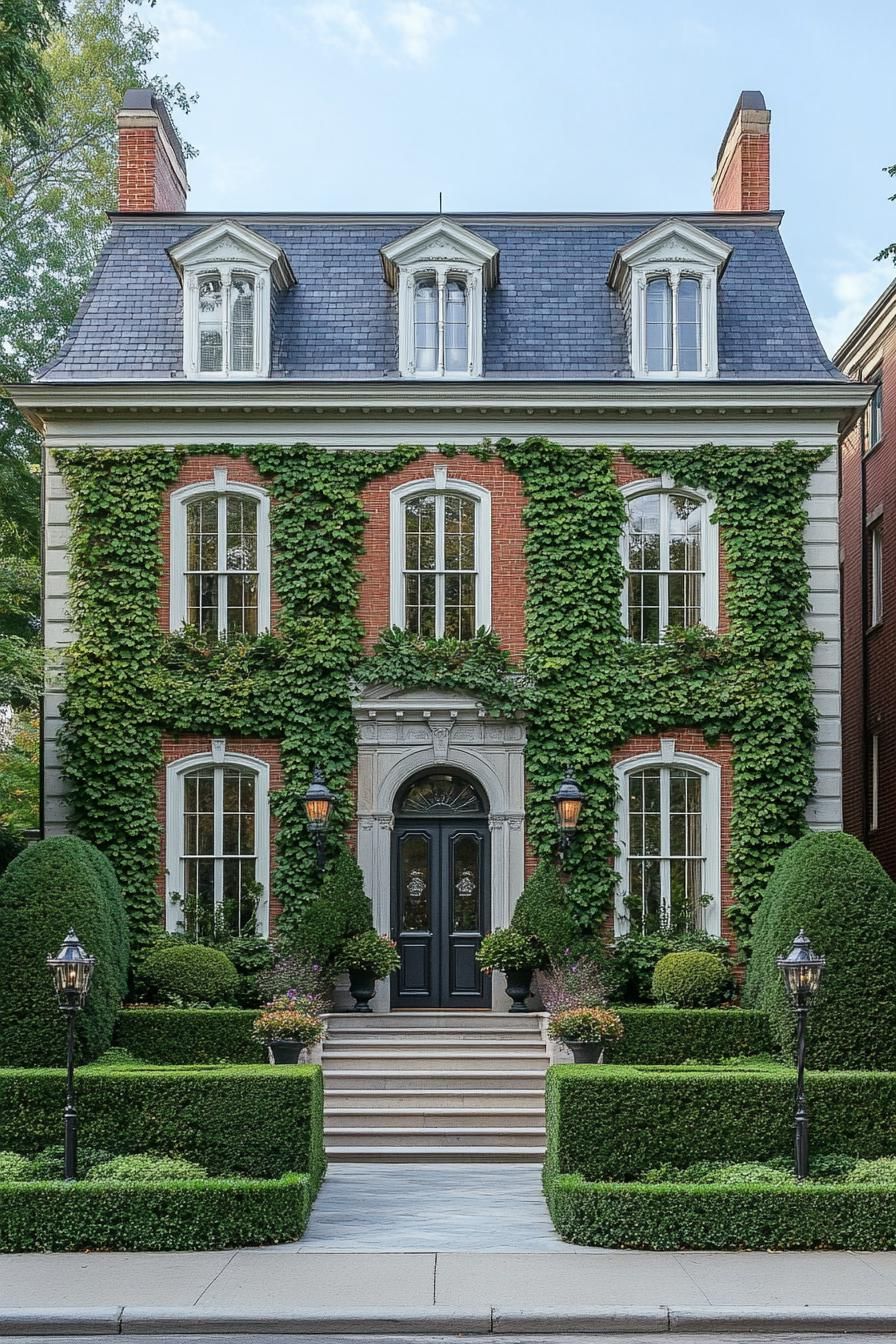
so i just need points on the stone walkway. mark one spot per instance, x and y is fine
(421, 1206)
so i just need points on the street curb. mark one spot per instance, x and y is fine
(581, 1321)
(60, 1321)
(410, 1321)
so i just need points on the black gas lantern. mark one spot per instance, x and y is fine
(72, 970)
(802, 970)
(318, 802)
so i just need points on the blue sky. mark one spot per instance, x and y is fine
(572, 105)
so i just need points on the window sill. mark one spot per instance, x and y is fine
(867, 452)
(872, 629)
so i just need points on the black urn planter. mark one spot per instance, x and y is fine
(285, 1052)
(586, 1052)
(519, 987)
(362, 985)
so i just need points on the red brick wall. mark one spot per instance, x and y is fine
(175, 748)
(745, 182)
(146, 180)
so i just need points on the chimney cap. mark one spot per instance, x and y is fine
(750, 100)
(147, 100)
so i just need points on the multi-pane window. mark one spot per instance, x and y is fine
(664, 561)
(665, 854)
(874, 421)
(441, 325)
(219, 852)
(221, 571)
(673, 325)
(440, 565)
(876, 575)
(226, 322)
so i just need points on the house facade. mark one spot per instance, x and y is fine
(867, 507)
(443, 506)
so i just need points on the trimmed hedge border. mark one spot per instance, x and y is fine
(676, 1035)
(715, 1218)
(177, 1216)
(245, 1120)
(189, 1035)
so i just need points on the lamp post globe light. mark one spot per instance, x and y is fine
(567, 802)
(318, 802)
(802, 970)
(72, 969)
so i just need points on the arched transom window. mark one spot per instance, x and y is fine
(217, 847)
(440, 559)
(441, 325)
(220, 557)
(670, 564)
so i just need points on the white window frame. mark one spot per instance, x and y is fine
(444, 251)
(175, 773)
(709, 547)
(229, 248)
(876, 571)
(711, 823)
(440, 483)
(874, 785)
(222, 488)
(875, 417)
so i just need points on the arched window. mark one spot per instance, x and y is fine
(220, 558)
(441, 542)
(669, 554)
(668, 838)
(441, 327)
(426, 325)
(226, 322)
(217, 845)
(673, 324)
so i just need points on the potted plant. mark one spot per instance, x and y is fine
(517, 955)
(367, 957)
(586, 1031)
(288, 1029)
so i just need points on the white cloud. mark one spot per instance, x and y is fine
(341, 23)
(182, 29)
(852, 292)
(391, 30)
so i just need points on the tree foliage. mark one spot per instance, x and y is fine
(25, 85)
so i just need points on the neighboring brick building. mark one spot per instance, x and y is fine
(868, 579)
(369, 331)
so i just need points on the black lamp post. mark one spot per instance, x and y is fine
(802, 969)
(567, 802)
(318, 802)
(71, 969)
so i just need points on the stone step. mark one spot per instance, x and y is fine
(385, 1102)
(354, 1119)
(442, 1138)
(446, 1061)
(472, 1045)
(447, 1024)
(458, 1153)
(468, 1053)
(337, 1078)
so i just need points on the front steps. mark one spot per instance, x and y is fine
(434, 1087)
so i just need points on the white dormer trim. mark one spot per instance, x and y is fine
(227, 248)
(674, 250)
(444, 251)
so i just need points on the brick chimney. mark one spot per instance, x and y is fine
(741, 180)
(152, 172)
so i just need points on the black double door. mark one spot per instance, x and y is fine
(440, 910)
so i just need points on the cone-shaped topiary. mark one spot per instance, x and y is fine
(339, 913)
(543, 912)
(52, 886)
(831, 886)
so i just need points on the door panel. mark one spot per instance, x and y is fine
(416, 851)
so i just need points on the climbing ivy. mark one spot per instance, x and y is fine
(584, 688)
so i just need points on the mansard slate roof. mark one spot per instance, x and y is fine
(552, 315)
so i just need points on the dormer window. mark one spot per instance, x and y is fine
(668, 283)
(441, 272)
(229, 275)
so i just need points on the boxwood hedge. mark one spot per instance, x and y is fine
(177, 1216)
(189, 1035)
(241, 1120)
(676, 1035)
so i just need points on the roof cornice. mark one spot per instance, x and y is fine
(862, 340)
(706, 219)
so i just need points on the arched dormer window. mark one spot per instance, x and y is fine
(220, 558)
(441, 272)
(670, 556)
(668, 840)
(217, 851)
(440, 545)
(229, 275)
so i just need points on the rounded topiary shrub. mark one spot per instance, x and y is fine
(147, 1168)
(830, 885)
(190, 972)
(691, 980)
(10, 846)
(52, 886)
(543, 912)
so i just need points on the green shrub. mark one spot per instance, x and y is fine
(49, 1164)
(117, 913)
(831, 886)
(148, 1169)
(677, 1035)
(628, 973)
(140, 1216)
(691, 980)
(751, 1173)
(190, 972)
(10, 846)
(245, 1119)
(371, 953)
(872, 1171)
(339, 913)
(52, 886)
(189, 1035)
(252, 957)
(14, 1167)
(509, 950)
(543, 912)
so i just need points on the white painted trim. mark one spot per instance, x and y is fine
(442, 272)
(229, 241)
(709, 544)
(441, 484)
(711, 819)
(177, 564)
(440, 240)
(261, 324)
(174, 813)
